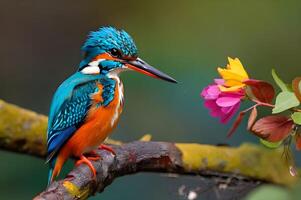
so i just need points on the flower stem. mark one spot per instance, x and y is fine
(259, 103)
(296, 110)
(262, 103)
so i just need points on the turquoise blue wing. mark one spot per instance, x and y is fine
(68, 110)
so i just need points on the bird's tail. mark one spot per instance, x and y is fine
(56, 165)
(52, 164)
(50, 177)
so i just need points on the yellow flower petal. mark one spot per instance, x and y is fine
(234, 74)
(237, 67)
(230, 89)
(228, 75)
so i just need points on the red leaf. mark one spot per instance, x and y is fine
(236, 123)
(273, 128)
(262, 91)
(298, 142)
(252, 118)
(296, 88)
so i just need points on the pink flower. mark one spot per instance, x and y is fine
(221, 104)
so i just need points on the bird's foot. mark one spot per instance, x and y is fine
(92, 155)
(83, 159)
(107, 148)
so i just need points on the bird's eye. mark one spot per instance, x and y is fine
(116, 53)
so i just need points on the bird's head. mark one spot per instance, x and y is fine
(110, 51)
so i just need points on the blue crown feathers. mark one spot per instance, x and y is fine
(105, 39)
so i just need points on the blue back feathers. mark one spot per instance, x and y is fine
(70, 105)
(105, 39)
(65, 92)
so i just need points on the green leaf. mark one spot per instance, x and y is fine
(275, 192)
(297, 117)
(283, 86)
(289, 87)
(284, 101)
(269, 192)
(271, 145)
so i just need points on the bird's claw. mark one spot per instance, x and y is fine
(83, 159)
(107, 148)
(92, 155)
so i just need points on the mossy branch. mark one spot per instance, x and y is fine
(24, 131)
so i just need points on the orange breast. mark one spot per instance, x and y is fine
(99, 123)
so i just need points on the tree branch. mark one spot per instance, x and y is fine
(130, 158)
(251, 162)
(24, 131)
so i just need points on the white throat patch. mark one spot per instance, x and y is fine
(114, 74)
(92, 67)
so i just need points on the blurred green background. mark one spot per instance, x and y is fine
(40, 47)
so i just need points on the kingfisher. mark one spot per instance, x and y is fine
(86, 107)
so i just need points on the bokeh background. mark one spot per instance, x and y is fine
(40, 47)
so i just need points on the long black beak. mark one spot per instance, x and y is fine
(141, 66)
